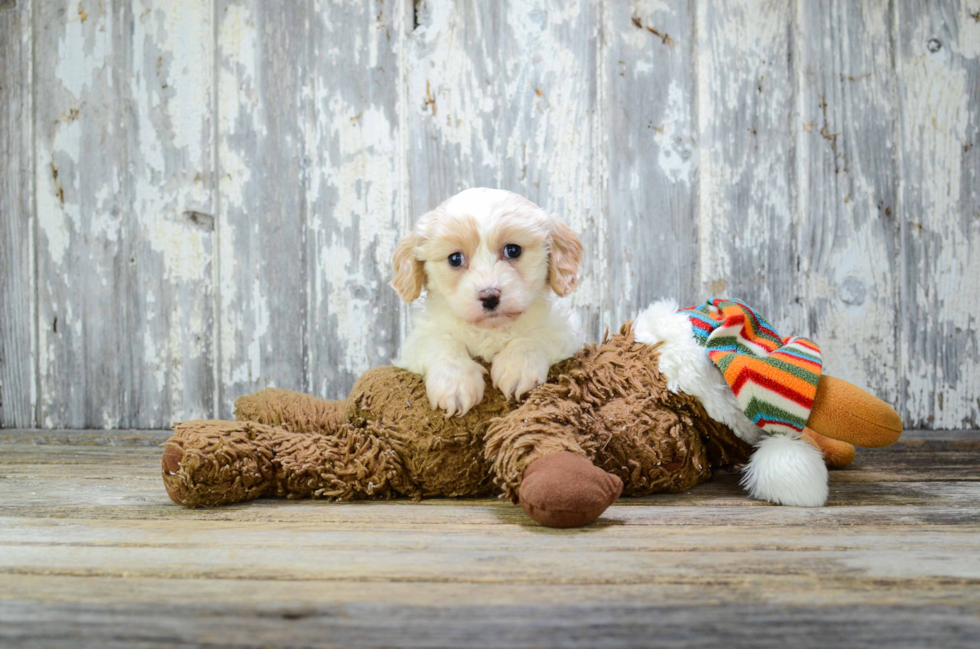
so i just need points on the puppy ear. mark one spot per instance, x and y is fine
(409, 272)
(564, 257)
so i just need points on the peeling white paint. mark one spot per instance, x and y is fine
(745, 148)
(364, 180)
(678, 157)
(941, 369)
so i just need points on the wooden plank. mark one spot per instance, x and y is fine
(123, 178)
(905, 463)
(271, 597)
(652, 514)
(649, 59)
(113, 437)
(504, 95)
(489, 554)
(112, 495)
(263, 64)
(34, 490)
(849, 261)
(18, 381)
(354, 192)
(30, 538)
(621, 624)
(938, 69)
(747, 122)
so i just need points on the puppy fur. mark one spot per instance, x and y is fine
(524, 331)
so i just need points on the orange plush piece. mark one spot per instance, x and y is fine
(847, 416)
(844, 412)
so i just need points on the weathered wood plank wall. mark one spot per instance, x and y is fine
(18, 381)
(122, 166)
(200, 198)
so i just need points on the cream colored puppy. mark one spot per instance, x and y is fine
(489, 260)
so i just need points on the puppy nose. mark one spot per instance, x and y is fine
(490, 298)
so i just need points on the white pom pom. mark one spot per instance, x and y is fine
(787, 470)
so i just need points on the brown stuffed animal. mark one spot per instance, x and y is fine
(604, 423)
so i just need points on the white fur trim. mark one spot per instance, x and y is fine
(787, 470)
(687, 367)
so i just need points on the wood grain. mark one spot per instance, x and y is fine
(747, 123)
(847, 214)
(532, 625)
(123, 206)
(938, 69)
(93, 553)
(18, 381)
(649, 63)
(264, 90)
(355, 191)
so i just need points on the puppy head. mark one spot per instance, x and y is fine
(489, 254)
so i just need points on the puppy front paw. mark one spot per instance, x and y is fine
(517, 373)
(456, 386)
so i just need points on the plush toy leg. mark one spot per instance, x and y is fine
(845, 412)
(566, 490)
(836, 454)
(292, 411)
(208, 463)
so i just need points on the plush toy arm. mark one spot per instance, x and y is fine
(540, 463)
(844, 412)
(292, 411)
(526, 434)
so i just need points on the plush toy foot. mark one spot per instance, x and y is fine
(845, 412)
(836, 455)
(208, 463)
(172, 456)
(566, 490)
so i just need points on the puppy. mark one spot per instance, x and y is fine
(489, 260)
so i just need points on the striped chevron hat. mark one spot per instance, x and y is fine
(774, 379)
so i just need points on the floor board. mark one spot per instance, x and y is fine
(92, 553)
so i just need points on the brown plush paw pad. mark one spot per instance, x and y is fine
(567, 490)
(171, 465)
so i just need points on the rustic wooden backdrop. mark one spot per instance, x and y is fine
(200, 198)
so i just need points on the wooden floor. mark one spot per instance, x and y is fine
(92, 553)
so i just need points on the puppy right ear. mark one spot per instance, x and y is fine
(409, 272)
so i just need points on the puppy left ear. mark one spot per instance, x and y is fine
(564, 257)
(409, 276)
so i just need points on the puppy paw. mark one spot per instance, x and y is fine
(517, 373)
(455, 387)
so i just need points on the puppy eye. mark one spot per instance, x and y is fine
(456, 259)
(512, 251)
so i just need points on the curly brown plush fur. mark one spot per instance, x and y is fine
(609, 404)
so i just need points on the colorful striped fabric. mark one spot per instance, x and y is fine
(774, 379)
